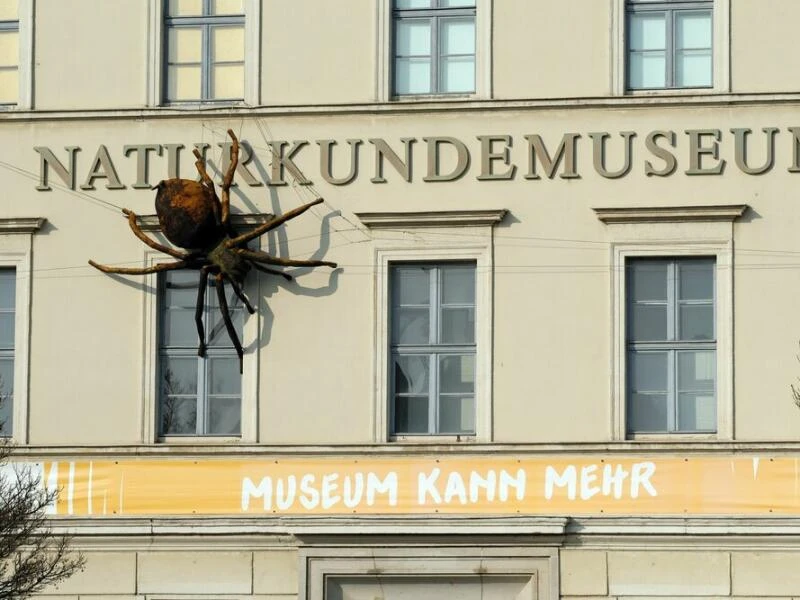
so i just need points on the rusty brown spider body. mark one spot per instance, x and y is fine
(192, 217)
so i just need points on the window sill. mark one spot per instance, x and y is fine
(671, 437)
(465, 438)
(191, 440)
(410, 98)
(693, 91)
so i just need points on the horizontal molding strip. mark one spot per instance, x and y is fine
(438, 105)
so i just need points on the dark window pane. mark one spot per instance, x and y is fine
(696, 280)
(648, 371)
(411, 374)
(411, 286)
(411, 326)
(178, 376)
(456, 414)
(647, 413)
(6, 395)
(223, 375)
(647, 281)
(458, 325)
(697, 371)
(696, 322)
(7, 331)
(457, 374)
(8, 289)
(458, 285)
(411, 414)
(648, 322)
(224, 416)
(697, 412)
(178, 416)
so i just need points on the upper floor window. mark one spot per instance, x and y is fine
(434, 46)
(9, 52)
(433, 348)
(7, 333)
(671, 345)
(669, 44)
(205, 50)
(197, 396)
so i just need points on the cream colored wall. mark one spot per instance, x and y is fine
(90, 54)
(552, 294)
(318, 52)
(762, 46)
(565, 45)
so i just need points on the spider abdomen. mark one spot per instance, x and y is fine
(188, 213)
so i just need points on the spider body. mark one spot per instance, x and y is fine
(188, 213)
(192, 217)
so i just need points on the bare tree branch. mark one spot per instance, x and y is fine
(32, 556)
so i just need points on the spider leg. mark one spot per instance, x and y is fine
(227, 181)
(226, 317)
(208, 182)
(286, 262)
(269, 271)
(181, 264)
(272, 224)
(152, 243)
(237, 289)
(198, 310)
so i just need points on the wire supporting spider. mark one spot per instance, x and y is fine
(193, 217)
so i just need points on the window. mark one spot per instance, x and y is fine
(669, 44)
(9, 53)
(671, 345)
(434, 46)
(8, 295)
(433, 348)
(205, 50)
(197, 396)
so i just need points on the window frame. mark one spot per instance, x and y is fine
(385, 91)
(227, 351)
(24, 26)
(157, 58)
(433, 350)
(434, 237)
(319, 564)
(150, 369)
(16, 252)
(674, 231)
(672, 345)
(720, 49)
(722, 252)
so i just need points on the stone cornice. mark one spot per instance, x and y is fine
(659, 100)
(21, 224)
(670, 214)
(447, 218)
(150, 222)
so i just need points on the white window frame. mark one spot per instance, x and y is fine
(672, 232)
(25, 62)
(384, 76)
(156, 63)
(432, 238)
(320, 564)
(721, 51)
(16, 252)
(431, 349)
(151, 396)
(671, 345)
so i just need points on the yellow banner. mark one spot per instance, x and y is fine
(489, 485)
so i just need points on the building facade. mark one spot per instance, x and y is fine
(554, 359)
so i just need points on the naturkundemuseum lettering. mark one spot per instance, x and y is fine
(658, 153)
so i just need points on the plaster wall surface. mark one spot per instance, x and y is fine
(96, 61)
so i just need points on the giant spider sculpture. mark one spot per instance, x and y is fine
(191, 216)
